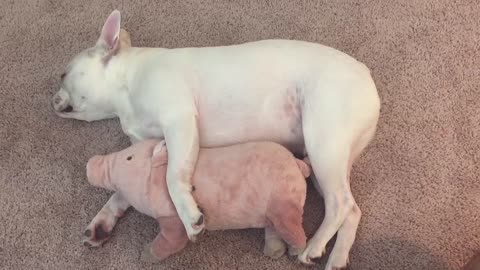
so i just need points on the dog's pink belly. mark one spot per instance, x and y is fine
(233, 134)
(224, 128)
(252, 108)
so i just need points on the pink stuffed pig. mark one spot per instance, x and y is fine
(250, 185)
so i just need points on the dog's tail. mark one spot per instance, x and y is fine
(304, 166)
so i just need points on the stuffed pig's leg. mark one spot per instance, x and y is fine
(100, 228)
(286, 217)
(171, 239)
(274, 245)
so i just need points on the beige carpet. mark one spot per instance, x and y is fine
(417, 183)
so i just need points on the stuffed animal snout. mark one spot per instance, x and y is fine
(96, 171)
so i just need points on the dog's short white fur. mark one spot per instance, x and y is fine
(311, 98)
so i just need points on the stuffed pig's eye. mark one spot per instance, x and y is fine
(129, 158)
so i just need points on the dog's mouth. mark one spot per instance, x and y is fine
(67, 109)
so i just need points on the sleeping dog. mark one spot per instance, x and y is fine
(311, 98)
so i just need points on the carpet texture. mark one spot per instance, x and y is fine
(417, 184)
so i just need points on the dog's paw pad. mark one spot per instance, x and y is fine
(95, 237)
(100, 233)
(200, 221)
(88, 233)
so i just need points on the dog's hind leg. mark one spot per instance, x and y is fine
(339, 117)
(328, 147)
(100, 228)
(330, 168)
(347, 232)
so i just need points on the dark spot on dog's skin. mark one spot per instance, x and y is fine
(100, 234)
(193, 189)
(292, 110)
(83, 97)
(87, 244)
(129, 158)
(62, 77)
(296, 128)
(88, 233)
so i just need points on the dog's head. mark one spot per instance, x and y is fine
(83, 93)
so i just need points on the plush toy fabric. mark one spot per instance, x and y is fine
(251, 185)
(474, 263)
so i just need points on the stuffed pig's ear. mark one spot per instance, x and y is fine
(160, 157)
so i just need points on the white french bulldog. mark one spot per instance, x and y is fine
(311, 98)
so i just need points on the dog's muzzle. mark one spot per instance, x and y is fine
(60, 102)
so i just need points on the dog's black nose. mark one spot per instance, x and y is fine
(68, 109)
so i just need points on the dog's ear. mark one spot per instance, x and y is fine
(125, 41)
(110, 36)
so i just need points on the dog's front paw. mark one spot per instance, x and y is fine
(197, 227)
(95, 235)
(192, 218)
(310, 255)
(195, 224)
(100, 229)
(295, 251)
